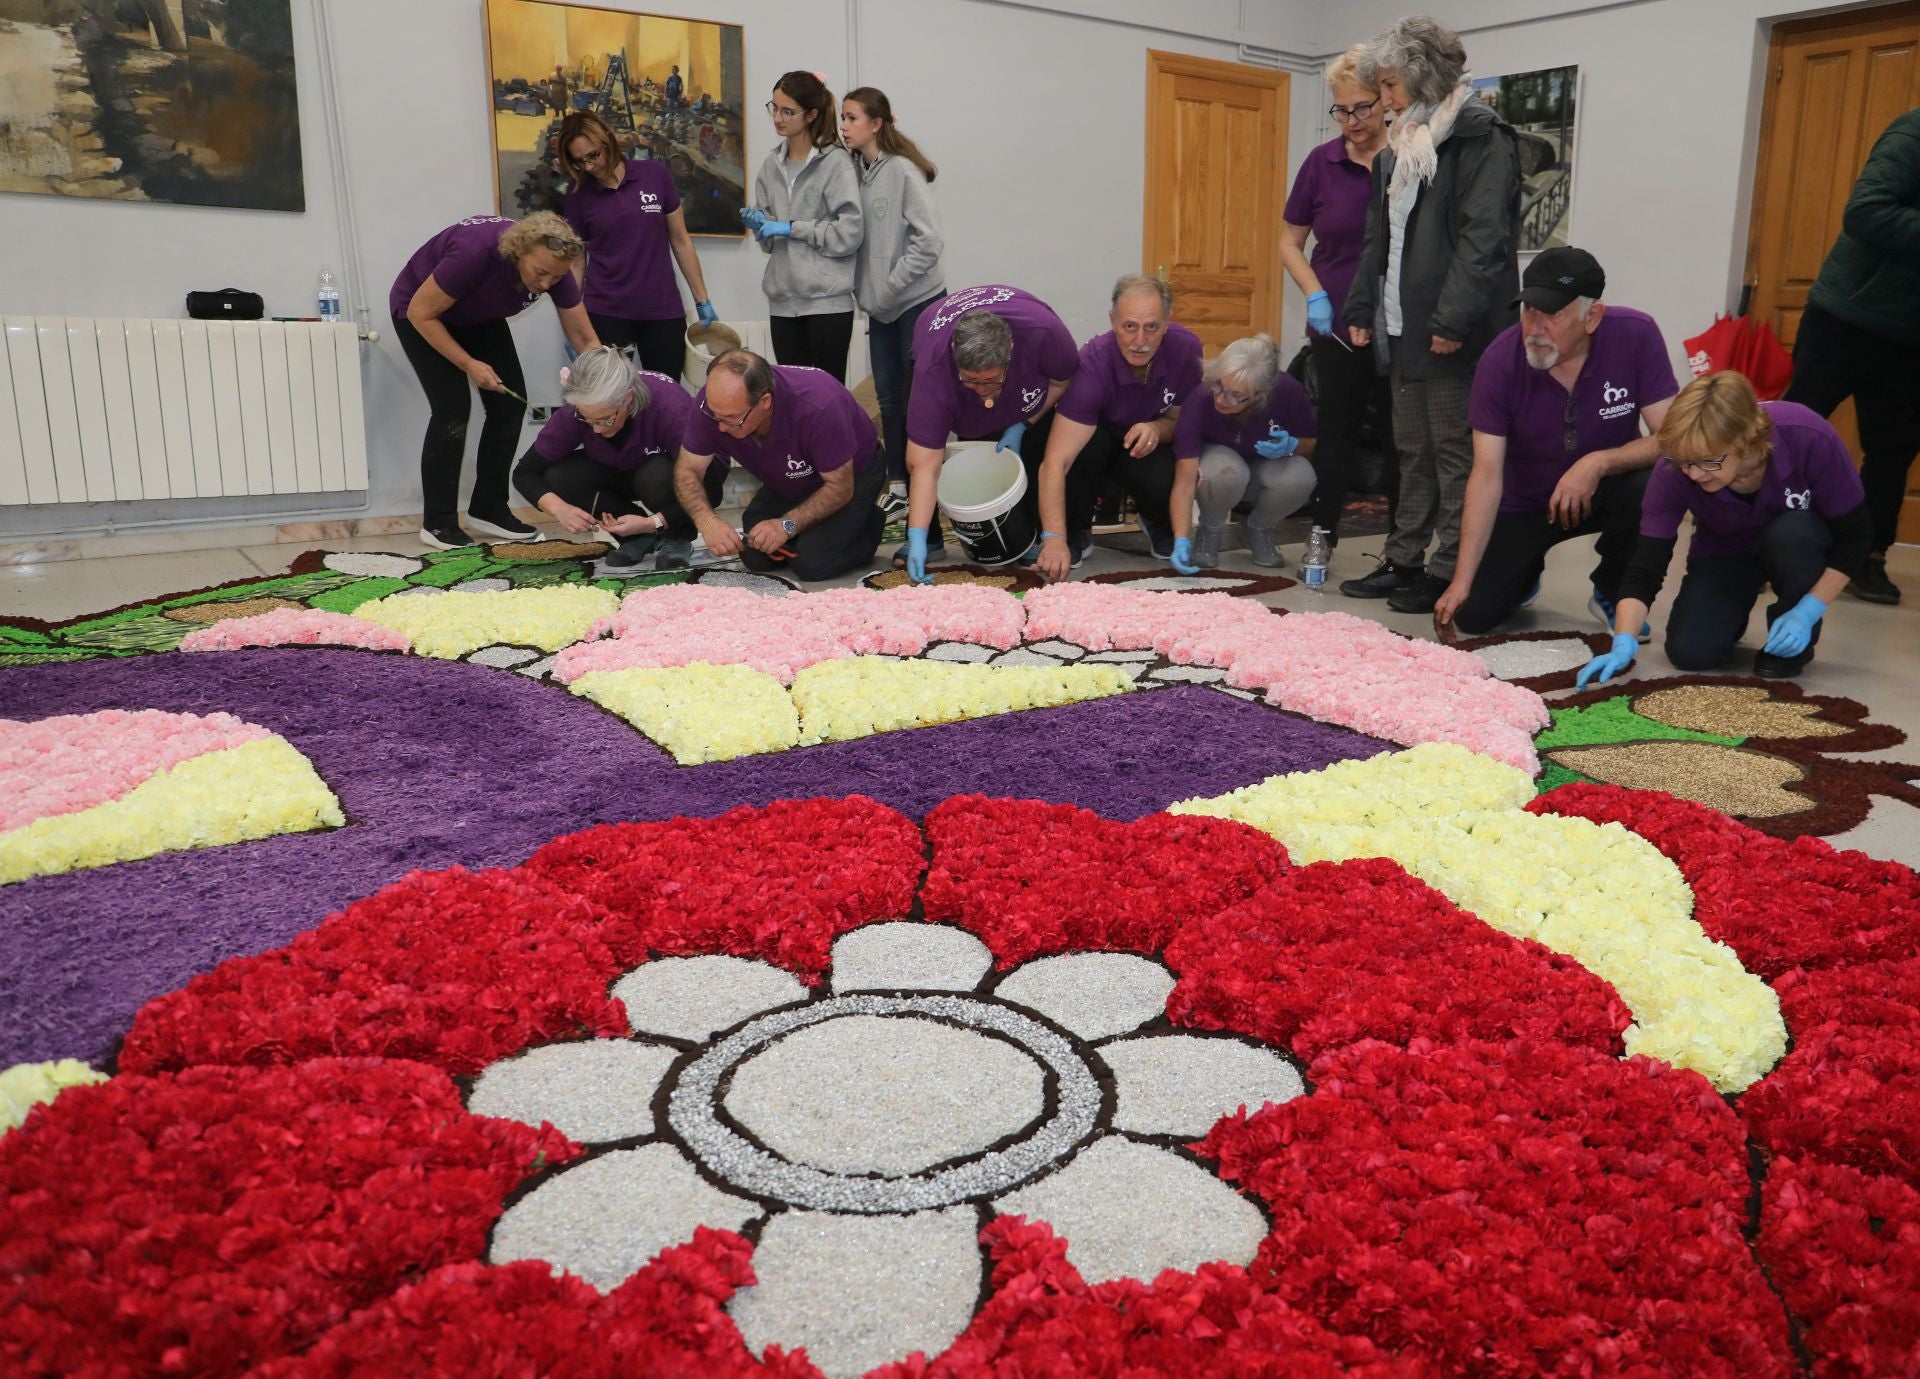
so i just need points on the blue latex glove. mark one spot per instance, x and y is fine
(1320, 314)
(1010, 438)
(917, 556)
(1277, 446)
(752, 217)
(706, 313)
(1793, 629)
(773, 229)
(1183, 556)
(1625, 647)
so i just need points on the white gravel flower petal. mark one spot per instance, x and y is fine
(1522, 660)
(503, 657)
(373, 564)
(1190, 675)
(886, 1095)
(909, 957)
(690, 998)
(1056, 647)
(1130, 1210)
(860, 1291)
(965, 652)
(1180, 1084)
(1025, 656)
(765, 585)
(595, 1091)
(533, 670)
(1121, 657)
(1094, 995)
(490, 585)
(606, 1218)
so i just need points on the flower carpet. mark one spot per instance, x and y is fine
(566, 976)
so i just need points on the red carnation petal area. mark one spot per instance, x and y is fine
(1336, 952)
(779, 883)
(205, 1222)
(1030, 878)
(1043, 1319)
(1518, 1208)
(451, 968)
(474, 1321)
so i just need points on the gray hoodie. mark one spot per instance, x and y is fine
(899, 264)
(810, 273)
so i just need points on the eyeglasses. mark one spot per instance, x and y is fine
(592, 155)
(1704, 466)
(1228, 395)
(990, 382)
(612, 423)
(556, 244)
(788, 111)
(1352, 112)
(730, 423)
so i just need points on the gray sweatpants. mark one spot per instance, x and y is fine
(1279, 487)
(1436, 455)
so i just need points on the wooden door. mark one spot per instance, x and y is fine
(1835, 84)
(1216, 182)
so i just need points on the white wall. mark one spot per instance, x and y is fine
(1034, 111)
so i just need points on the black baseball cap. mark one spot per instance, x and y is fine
(1557, 276)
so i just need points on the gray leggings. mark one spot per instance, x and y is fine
(1280, 487)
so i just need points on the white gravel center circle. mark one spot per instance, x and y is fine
(885, 1094)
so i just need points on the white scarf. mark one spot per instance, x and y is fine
(1417, 134)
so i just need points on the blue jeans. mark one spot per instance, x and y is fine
(890, 355)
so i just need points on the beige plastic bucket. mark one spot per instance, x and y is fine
(704, 345)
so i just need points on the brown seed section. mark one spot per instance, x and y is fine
(233, 608)
(548, 550)
(1735, 711)
(1733, 780)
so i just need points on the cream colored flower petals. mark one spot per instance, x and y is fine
(690, 998)
(1180, 1084)
(908, 957)
(594, 1091)
(1093, 995)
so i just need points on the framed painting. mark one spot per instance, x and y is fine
(1542, 106)
(189, 101)
(672, 89)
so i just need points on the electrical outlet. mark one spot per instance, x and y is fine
(539, 413)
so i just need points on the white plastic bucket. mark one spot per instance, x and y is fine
(980, 492)
(704, 345)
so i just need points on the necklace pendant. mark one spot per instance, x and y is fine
(989, 403)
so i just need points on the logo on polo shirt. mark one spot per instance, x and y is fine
(797, 468)
(1800, 501)
(1030, 397)
(1166, 398)
(650, 202)
(960, 303)
(1616, 402)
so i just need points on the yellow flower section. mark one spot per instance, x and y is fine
(452, 624)
(874, 694)
(26, 1085)
(699, 712)
(1598, 893)
(256, 790)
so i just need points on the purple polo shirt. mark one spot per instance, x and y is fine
(817, 427)
(656, 431)
(1105, 391)
(1287, 408)
(1043, 350)
(464, 259)
(1626, 369)
(1809, 470)
(629, 270)
(1329, 197)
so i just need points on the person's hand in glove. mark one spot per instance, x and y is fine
(1183, 556)
(752, 217)
(1010, 438)
(704, 310)
(1793, 630)
(917, 556)
(1277, 446)
(1625, 647)
(1320, 314)
(773, 229)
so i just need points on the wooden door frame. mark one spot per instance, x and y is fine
(1163, 65)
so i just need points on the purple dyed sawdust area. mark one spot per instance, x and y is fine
(438, 763)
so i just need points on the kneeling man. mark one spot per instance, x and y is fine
(1563, 410)
(816, 454)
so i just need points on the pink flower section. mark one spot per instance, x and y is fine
(77, 761)
(1195, 629)
(295, 627)
(683, 624)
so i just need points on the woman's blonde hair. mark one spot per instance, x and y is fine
(1346, 68)
(1713, 416)
(541, 230)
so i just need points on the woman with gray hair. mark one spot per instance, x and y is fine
(606, 459)
(1248, 428)
(1436, 282)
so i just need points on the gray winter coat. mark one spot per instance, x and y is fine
(810, 272)
(899, 264)
(1458, 273)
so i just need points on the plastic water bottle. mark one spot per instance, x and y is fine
(1313, 565)
(328, 293)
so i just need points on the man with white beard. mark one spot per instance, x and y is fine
(1563, 412)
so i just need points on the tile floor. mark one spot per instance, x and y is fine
(1867, 653)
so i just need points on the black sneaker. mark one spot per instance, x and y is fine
(504, 525)
(446, 536)
(1079, 546)
(1770, 667)
(1159, 536)
(629, 554)
(1387, 579)
(1872, 585)
(675, 553)
(1419, 596)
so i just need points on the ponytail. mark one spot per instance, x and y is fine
(890, 140)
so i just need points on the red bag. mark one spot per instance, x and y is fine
(1747, 347)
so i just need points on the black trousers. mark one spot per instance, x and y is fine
(1104, 464)
(450, 399)
(599, 488)
(1716, 597)
(845, 541)
(1348, 381)
(819, 342)
(660, 345)
(1833, 361)
(1517, 551)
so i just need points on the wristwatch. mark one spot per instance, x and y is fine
(789, 526)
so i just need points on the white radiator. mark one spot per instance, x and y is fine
(98, 410)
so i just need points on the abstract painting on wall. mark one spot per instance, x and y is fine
(189, 101)
(1542, 107)
(671, 89)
